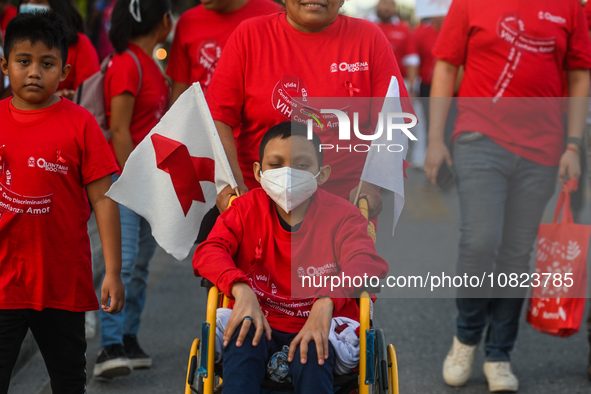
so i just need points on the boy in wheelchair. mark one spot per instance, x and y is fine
(264, 248)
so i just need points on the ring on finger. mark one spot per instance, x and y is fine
(247, 318)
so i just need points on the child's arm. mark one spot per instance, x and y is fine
(109, 226)
(122, 111)
(214, 260)
(246, 305)
(316, 329)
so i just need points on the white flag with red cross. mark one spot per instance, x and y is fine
(388, 169)
(173, 176)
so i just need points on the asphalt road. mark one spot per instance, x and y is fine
(420, 329)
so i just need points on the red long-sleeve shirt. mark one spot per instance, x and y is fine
(248, 244)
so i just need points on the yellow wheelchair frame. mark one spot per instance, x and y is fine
(378, 366)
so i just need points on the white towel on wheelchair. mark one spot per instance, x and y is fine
(342, 335)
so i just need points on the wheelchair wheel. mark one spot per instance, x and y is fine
(380, 364)
(194, 384)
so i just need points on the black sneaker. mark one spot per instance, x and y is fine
(134, 352)
(112, 362)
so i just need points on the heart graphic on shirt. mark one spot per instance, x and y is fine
(208, 55)
(290, 98)
(511, 29)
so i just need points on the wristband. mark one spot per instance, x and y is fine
(572, 149)
(575, 140)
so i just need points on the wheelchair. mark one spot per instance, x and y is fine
(377, 372)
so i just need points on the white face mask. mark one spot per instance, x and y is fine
(24, 8)
(289, 187)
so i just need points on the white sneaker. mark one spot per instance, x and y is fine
(500, 377)
(457, 366)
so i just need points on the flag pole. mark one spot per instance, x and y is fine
(358, 191)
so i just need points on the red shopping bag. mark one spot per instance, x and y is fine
(556, 308)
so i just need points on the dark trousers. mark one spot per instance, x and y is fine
(61, 340)
(245, 366)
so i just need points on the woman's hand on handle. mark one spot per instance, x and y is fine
(371, 193)
(227, 138)
(223, 199)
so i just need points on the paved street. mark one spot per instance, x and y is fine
(421, 329)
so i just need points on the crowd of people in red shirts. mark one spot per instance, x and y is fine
(256, 60)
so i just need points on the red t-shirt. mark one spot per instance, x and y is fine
(45, 257)
(401, 37)
(150, 104)
(255, 85)
(5, 17)
(84, 62)
(515, 49)
(426, 36)
(202, 34)
(248, 244)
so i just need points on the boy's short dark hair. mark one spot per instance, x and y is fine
(46, 26)
(288, 129)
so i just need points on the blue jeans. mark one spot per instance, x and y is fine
(502, 200)
(245, 366)
(137, 249)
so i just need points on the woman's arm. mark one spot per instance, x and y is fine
(442, 90)
(227, 138)
(121, 114)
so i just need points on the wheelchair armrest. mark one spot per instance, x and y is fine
(369, 289)
(205, 283)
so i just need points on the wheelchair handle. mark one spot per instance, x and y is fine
(363, 207)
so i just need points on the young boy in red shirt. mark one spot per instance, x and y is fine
(260, 252)
(52, 154)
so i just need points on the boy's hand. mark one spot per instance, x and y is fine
(246, 305)
(112, 288)
(316, 329)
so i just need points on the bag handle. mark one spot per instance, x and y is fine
(563, 203)
(105, 65)
(139, 67)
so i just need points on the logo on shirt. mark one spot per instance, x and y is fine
(329, 268)
(352, 67)
(208, 54)
(52, 167)
(31, 162)
(18, 204)
(290, 92)
(511, 29)
(552, 18)
(334, 68)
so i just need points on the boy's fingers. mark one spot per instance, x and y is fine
(268, 330)
(293, 347)
(230, 328)
(259, 332)
(118, 304)
(325, 346)
(319, 342)
(243, 331)
(104, 298)
(304, 350)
